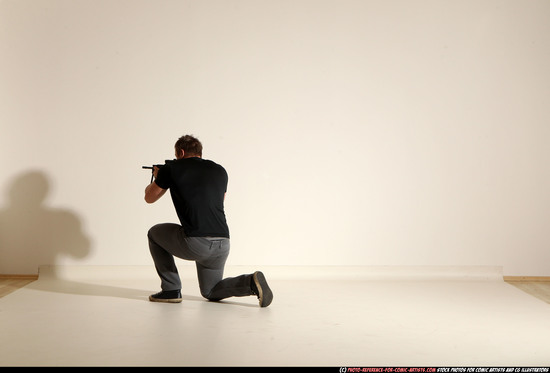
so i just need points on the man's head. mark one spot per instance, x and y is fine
(188, 146)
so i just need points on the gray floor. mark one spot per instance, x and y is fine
(334, 316)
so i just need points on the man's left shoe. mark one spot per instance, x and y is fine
(171, 296)
(261, 289)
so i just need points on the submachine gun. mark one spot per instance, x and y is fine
(152, 168)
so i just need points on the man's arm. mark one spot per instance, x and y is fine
(153, 192)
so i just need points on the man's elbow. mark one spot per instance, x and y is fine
(153, 193)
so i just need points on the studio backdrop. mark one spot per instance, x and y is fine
(354, 132)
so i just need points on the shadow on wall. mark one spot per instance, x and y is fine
(32, 234)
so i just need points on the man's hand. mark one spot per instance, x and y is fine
(155, 171)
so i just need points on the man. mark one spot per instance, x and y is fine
(198, 188)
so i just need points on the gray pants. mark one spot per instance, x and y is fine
(168, 240)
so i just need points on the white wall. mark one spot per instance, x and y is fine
(354, 132)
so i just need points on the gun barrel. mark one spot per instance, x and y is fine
(147, 167)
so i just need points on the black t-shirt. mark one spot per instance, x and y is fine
(197, 187)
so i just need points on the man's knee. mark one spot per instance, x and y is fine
(206, 293)
(208, 297)
(156, 230)
(152, 230)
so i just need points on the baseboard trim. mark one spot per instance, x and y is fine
(18, 277)
(505, 278)
(526, 278)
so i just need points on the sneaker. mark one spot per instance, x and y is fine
(261, 289)
(171, 296)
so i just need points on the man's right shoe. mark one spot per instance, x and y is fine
(170, 296)
(261, 289)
